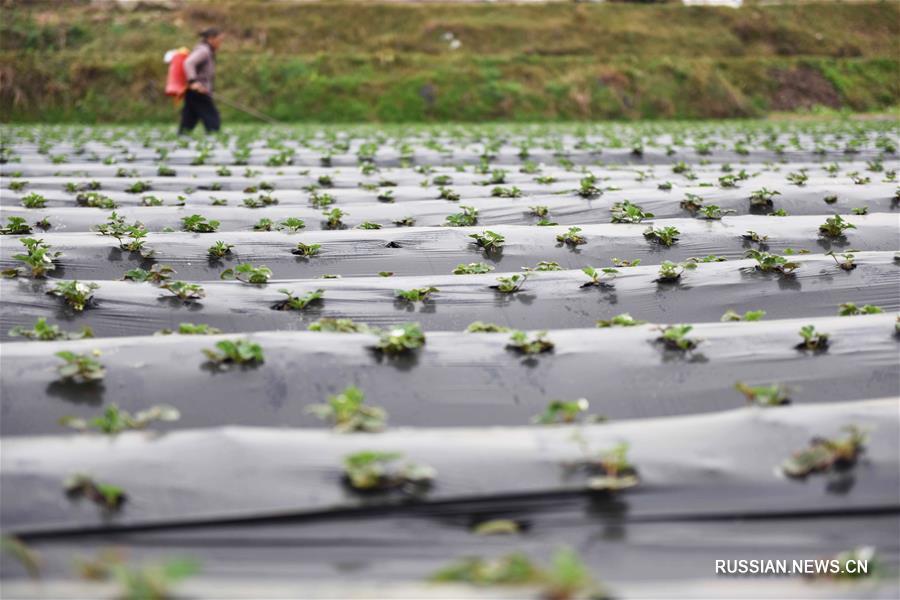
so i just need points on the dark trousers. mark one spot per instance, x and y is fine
(198, 107)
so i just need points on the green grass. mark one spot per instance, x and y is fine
(390, 63)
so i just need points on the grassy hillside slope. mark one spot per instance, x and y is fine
(65, 61)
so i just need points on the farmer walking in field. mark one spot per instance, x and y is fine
(200, 72)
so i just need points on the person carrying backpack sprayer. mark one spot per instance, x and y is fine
(193, 77)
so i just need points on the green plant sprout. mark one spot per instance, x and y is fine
(339, 326)
(199, 224)
(621, 320)
(849, 309)
(334, 218)
(764, 395)
(371, 471)
(763, 197)
(95, 200)
(404, 222)
(80, 368)
(15, 226)
(348, 412)
(445, 193)
(670, 272)
(825, 454)
(76, 294)
(157, 274)
(665, 236)
(466, 218)
(248, 273)
(115, 420)
(38, 258)
(220, 249)
(45, 332)
(474, 268)
(415, 294)
(145, 582)
(34, 200)
(587, 187)
(506, 192)
(510, 284)
(713, 212)
(756, 238)
(813, 340)
(834, 227)
(306, 250)
(264, 224)
(562, 411)
(608, 471)
(293, 302)
(691, 203)
(769, 263)
(572, 237)
(675, 337)
(544, 265)
(627, 212)
(490, 241)
(523, 343)
(596, 276)
(400, 339)
(847, 264)
(191, 329)
(798, 178)
(750, 315)
(108, 496)
(623, 263)
(539, 211)
(482, 327)
(184, 291)
(236, 352)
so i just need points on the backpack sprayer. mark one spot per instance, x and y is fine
(176, 85)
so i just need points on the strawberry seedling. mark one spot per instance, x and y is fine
(446, 193)
(608, 471)
(691, 203)
(348, 412)
(572, 237)
(15, 226)
(157, 274)
(670, 272)
(849, 309)
(665, 236)
(45, 332)
(834, 227)
(588, 187)
(506, 192)
(622, 320)
(482, 327)
(404, 222)
(400, 339)
(235, 352)
(474, 268)
(750, 315)
(34, 200)
(76, 294)
(675, 337)
(219, 250)
(624, 263)
(467, 218)
(825, 454)
(95, 200)
(110, 497)
(562, 411)
(248, 273)
(199, 224)
(813, 341)
(539, 211)
(764, 395)
(370, 471)
(264, 224)
(369, 225)
(80, 368)
(769, 263)
(536, 343)
(488, 240)
(306, 250)
(416, 294)
(596, 275)
(626, 212)
(544, 265)
(115, 420)
(191, 329)
(339, 326)
(712, 212)
(333, 218)
(847, 264)
(38, 258)
(293, 302)
(184, 291)
(511, 284)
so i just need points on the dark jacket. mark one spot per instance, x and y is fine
(200, 66)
